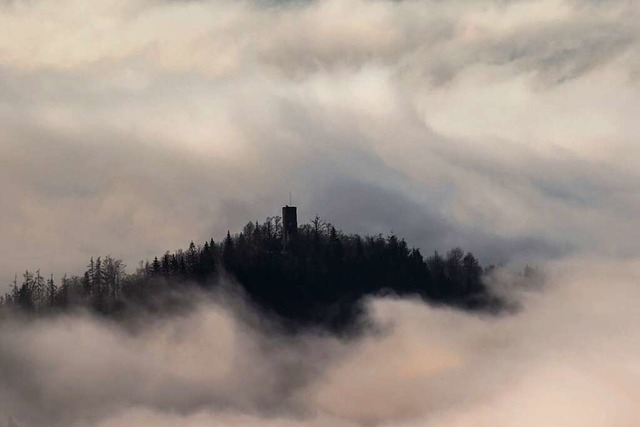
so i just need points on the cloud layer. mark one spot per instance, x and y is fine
(130, 128)
(569, 357)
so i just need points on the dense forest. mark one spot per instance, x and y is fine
(315, 277)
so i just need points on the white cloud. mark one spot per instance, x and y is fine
(131, 128)
(569, 356)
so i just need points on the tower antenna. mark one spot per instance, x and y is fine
(290, 203)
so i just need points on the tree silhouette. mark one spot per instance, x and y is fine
(318, 278)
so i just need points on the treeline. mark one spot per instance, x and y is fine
(318, 276)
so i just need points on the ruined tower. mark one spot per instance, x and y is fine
(289, 223)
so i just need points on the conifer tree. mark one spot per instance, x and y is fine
(52, 290)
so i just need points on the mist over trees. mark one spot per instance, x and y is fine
(317, 277)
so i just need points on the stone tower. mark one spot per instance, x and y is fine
(289, 223)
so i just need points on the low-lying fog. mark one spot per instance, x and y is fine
(569, 357)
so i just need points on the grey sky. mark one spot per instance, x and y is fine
(130, 128)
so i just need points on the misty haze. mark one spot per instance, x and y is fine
(319, 213)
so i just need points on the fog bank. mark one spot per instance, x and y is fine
(568, 357)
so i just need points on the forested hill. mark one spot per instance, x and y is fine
(317, 277)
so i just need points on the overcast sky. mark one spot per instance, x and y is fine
(132, 127)
(507, 127)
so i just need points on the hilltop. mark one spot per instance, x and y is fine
(307, 275)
